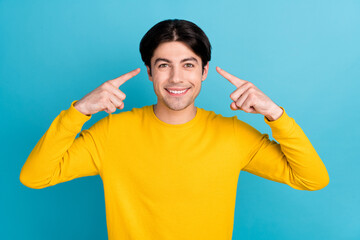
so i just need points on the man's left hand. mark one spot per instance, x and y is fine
(250, 99)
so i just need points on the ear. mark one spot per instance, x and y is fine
(148, 72)
(206, 70)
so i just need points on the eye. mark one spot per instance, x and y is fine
(189, 65)
(163, 65)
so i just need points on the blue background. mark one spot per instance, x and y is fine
(305, 55)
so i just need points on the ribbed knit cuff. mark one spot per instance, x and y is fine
(283, 123)
(72, 119)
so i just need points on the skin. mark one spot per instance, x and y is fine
(173, 72)
(174, 66)
(107, 97)
(250, 99)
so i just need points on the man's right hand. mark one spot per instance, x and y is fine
(107, 97)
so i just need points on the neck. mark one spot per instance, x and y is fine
(170, 116)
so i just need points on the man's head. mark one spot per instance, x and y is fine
(175, 30)
(176, 54)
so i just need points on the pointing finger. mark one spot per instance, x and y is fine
(117, 82)
(234, 80)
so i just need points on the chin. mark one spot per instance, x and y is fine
(177, 106)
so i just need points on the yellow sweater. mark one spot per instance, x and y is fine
(172, 182)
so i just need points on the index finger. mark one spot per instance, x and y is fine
(234, 80)
(117, 82)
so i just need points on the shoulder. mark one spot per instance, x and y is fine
(213, 118)
(233, 122)
(132, 118)
(131, 115)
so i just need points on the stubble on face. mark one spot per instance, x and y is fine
(180, 103)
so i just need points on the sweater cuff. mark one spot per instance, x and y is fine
(72, 119)
(283, 123)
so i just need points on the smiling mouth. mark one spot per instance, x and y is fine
(179, 92)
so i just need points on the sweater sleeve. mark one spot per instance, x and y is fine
(59, 156)
(291, 160)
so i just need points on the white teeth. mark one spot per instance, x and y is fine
(177, 92)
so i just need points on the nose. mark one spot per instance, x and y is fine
(176, 75)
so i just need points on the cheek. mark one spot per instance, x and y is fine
(158, 82)
(160, 77)
(195, 78)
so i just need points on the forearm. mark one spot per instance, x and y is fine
(46, 157)
(306, 169)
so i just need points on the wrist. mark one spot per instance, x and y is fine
(275, 114)
(77, 106)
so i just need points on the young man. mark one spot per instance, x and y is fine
(170, 170)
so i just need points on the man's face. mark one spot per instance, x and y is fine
(176, 75)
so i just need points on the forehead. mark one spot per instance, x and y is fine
(174, 51)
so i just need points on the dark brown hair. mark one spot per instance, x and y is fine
(175, 30)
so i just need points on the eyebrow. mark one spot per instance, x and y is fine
(168, 61)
